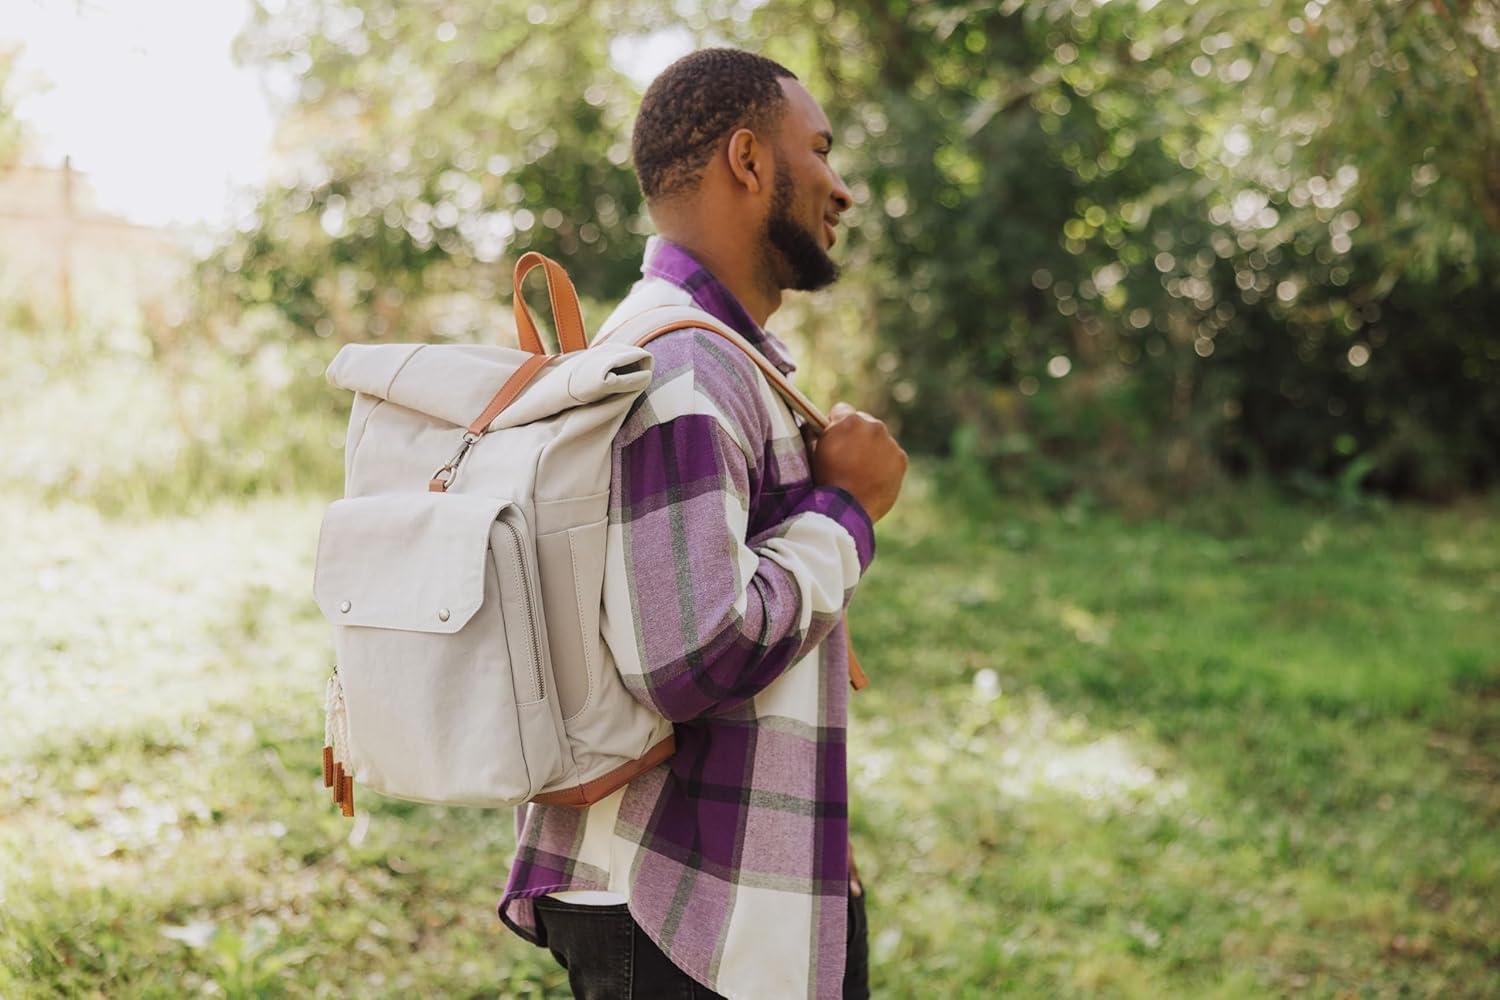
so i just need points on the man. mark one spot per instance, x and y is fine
(732, 553)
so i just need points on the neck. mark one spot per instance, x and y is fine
(741, 272)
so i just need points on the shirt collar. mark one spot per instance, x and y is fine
(667, 261)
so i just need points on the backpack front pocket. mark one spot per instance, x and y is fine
(441, 647)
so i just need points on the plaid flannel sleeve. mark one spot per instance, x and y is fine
(699, 617)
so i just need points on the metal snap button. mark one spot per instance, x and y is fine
(344, 606)
(442, 614)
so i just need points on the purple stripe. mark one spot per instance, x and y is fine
(840, 505)
(666, 460)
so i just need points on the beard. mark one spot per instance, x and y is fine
(792, 253)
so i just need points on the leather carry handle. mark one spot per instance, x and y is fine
(567, 317)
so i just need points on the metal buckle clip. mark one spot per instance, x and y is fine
(448, 472)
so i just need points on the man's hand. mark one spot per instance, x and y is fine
(858, 454)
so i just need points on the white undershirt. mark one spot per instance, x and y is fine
(607, 809)
(589, 897)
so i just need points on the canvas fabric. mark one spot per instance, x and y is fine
(466, 622)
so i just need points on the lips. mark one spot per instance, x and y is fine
(828, 229)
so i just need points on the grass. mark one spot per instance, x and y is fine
(135, 431)
(165, 831)
(1098, 758)
(1229, 754)
(1250, 749)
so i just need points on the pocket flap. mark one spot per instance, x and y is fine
(408, 561)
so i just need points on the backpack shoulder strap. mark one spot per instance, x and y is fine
(650, 323)
(657, 321)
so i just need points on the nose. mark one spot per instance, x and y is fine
(841, 196)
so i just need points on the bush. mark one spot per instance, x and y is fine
(108, 424)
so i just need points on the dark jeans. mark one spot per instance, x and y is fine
(609, 957)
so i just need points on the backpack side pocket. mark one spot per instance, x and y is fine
(441, 647)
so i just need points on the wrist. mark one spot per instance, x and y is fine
(842, 506)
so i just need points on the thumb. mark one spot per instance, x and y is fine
(841, 409)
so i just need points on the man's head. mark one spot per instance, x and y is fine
(728, 142)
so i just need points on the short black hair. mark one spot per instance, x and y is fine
(696, 102)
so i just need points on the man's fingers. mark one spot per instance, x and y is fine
(809, 436)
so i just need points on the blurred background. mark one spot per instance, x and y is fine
(1188, 311)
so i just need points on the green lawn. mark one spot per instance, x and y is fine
(1240, 752)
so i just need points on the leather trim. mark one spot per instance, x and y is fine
(857, 679)
(567, 317)
(523, 377)
(519, 380)
(590, 792)
(793, 396)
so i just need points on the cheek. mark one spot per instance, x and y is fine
(813, 190)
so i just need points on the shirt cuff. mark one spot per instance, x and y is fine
(839, 505)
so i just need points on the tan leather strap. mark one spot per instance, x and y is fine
(567, 317)
(857, 679)
(523, 376)
(793, 396)
(590, 792)
(518, 381)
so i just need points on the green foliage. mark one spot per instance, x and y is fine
(433, 143)
(1242, 752)
(1116, 247)
(12, 135)
(1280, 223)
(173, 424)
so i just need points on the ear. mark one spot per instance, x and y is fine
(749, 160)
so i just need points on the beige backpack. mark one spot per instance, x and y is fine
(465, 594)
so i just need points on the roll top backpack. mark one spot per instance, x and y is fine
(462, 573)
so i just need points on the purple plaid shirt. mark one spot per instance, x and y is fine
(727, 575)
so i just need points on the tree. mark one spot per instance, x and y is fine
(1265, 230)
(430, 145)
(11, 132)
(1096, 241)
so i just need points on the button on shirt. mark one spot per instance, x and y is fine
(728, 572)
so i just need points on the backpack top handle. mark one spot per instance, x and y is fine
(567, 317)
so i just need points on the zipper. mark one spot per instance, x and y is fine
(531, 631)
